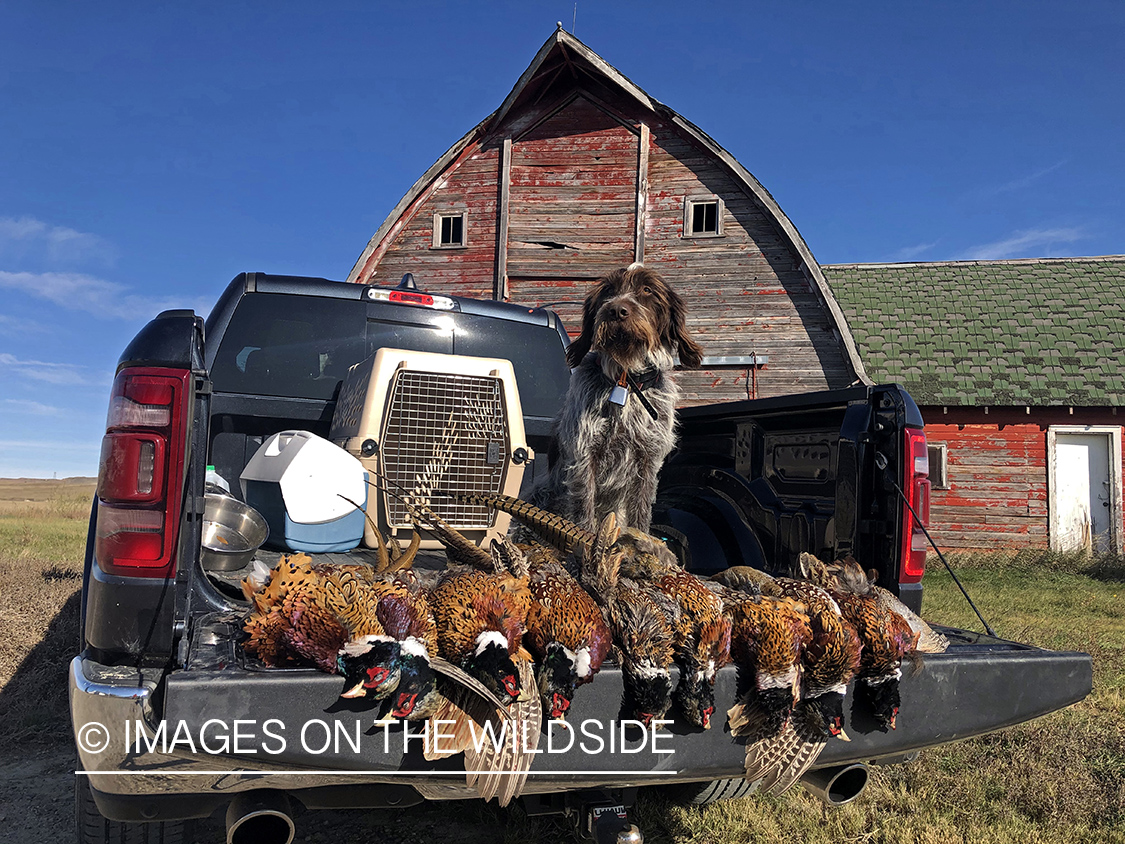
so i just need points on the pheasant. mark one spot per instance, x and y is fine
(324, 616)
(701, 631)
(566, 632)
(886, 636)
(657, 613)
(480, 614)
(828, 662)
(768, 638)
(640, 627)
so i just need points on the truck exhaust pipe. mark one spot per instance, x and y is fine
(260, 817)
(837, 786)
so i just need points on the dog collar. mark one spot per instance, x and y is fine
(638, 381)
(619, 395)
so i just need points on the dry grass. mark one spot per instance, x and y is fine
(1059, 779)
(43, 528)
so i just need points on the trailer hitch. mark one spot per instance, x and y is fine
(608, 823)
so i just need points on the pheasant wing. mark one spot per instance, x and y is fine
(500, 770)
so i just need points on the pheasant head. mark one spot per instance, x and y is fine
(417, 697)
(559, 674)
(370, 666)
(648, 690)
(492, 664)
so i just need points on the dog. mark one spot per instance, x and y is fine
(618, 420)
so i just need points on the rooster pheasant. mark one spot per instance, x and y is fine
(701, 631)
(481, 608)
(566, 632)
(830, 659)
(656, 611)
(768, 638)
(324, 615)
(887, 637)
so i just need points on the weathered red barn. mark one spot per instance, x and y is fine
(579, 172)
(1017, 367)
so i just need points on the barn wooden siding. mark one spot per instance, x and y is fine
(997, 474)
(580, 177)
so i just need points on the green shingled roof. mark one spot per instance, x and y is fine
(1034, 332)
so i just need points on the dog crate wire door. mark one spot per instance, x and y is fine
(446, 432)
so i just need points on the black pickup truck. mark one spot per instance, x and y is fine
(173, 722)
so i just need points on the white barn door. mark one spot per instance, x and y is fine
(1084, 488)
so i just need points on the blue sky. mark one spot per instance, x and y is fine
(150, 152)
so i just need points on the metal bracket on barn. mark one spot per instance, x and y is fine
(751, 363)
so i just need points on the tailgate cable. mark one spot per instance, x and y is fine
(918, 521)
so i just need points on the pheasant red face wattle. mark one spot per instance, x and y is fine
(559, 705)
(404, 706)
(376, 676)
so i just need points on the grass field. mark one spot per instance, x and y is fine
(1058, 779)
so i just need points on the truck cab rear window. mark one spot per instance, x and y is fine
(280, 346)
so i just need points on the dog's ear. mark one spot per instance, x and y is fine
(691, 355)
(580, 346)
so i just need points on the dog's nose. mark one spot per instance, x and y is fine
(621, 311)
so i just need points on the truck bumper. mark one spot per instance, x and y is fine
(226, 730)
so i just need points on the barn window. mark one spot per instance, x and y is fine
(449, 229)
(939, 478)
(703, 216)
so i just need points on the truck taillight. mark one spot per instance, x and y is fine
(916, 485)
(140, 477)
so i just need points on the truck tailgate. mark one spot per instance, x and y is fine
(980, 684)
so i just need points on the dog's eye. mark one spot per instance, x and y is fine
(646, 290)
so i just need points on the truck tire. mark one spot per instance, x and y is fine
(92, 828)
(705, 793)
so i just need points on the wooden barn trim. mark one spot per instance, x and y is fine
(642, 193)
(565, 42)
(500, 290)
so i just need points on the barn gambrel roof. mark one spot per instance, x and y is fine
(1037, 332)
(564, 60)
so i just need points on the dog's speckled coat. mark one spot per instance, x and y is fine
(607, 457)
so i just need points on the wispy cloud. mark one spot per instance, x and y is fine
(95, 296)
(59, 374)
(987, 192)
(11, 326)
(909, 253)
(27, 237)
(1033, 243)
(33, 407)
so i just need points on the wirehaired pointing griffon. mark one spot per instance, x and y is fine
(618, 420)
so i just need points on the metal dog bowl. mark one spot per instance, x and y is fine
(232, 532)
